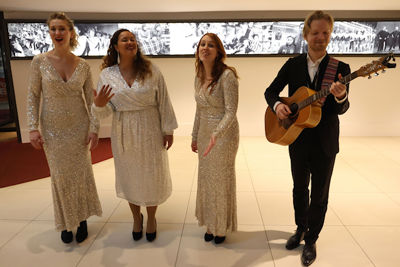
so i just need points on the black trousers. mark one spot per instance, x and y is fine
(308, 162)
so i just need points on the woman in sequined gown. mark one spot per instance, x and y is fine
(134, 91)
(215, 137)
(62, 83)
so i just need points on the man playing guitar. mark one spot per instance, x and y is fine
(313, 153)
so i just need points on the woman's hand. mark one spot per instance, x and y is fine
(103, 96)
(168, 140)
(36, 139)
(93, 139)
(194, 146)
(211, 144)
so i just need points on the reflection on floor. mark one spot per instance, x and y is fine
(362, 226)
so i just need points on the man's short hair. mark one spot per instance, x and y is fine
(316, 15)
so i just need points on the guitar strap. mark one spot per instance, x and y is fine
(330, 73)
(329, 76)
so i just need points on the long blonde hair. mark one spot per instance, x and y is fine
(73, 42)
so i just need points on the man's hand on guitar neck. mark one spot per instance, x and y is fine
(282, 111)
(338, 89)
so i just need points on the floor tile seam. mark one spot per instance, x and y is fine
(48, 190)
(359, 245)
(384, 156)
(354, 239)
(387, 194)
(258, 206)
(91, 244)
(17, 220)
(28, 189)
(391, 198)
(363, 193)
(115, 208)
(15, 234)
(43, 211)
(363, 176)
(372, 225)
(184, 219)
(273, 192)
(278, 225)
(158, 223)
(332, 209)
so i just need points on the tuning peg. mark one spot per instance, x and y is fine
(376, 74)
(369, 77)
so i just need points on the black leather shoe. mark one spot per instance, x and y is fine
(66, 236)
(81, 232)
(208, 237)
(219, 239)
(309, 254)
(151, 236)
(138, 235)
(294, 241)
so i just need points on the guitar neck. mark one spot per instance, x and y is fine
(325, 91)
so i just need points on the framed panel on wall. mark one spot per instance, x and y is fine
(240, 38)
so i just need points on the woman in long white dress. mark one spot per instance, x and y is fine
(64, 127)
(215, 137)
(134, 91)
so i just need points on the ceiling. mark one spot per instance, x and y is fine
(192, 6)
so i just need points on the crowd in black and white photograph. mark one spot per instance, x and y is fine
(239, 38)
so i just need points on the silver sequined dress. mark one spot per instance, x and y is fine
(65, 122)
(216, 190)
(142, 115)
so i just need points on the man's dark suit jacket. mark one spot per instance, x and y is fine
(295, 74)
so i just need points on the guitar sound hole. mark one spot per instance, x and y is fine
(294, 108)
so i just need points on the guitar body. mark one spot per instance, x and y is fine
(285, 132)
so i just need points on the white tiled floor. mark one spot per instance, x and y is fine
(362, 226)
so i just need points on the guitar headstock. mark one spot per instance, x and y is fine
(377, 65)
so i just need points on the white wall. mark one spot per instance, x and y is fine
(374, 108)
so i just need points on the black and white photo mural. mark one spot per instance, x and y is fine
(240, 38)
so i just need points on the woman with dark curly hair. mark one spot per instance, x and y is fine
(134, 91)
(216, 137)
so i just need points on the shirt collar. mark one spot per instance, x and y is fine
(316, 63)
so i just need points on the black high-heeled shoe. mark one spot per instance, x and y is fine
(219, 239)
(66, 236)
(151, 236)
(138, 235)
(208, 237)
(81, 232)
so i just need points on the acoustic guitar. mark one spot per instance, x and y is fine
(306, 112)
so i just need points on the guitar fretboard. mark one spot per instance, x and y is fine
(325, 91)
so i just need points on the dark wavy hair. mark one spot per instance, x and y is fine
(141, 63)
(219, 65)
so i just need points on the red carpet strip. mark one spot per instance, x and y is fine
(20, 163)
